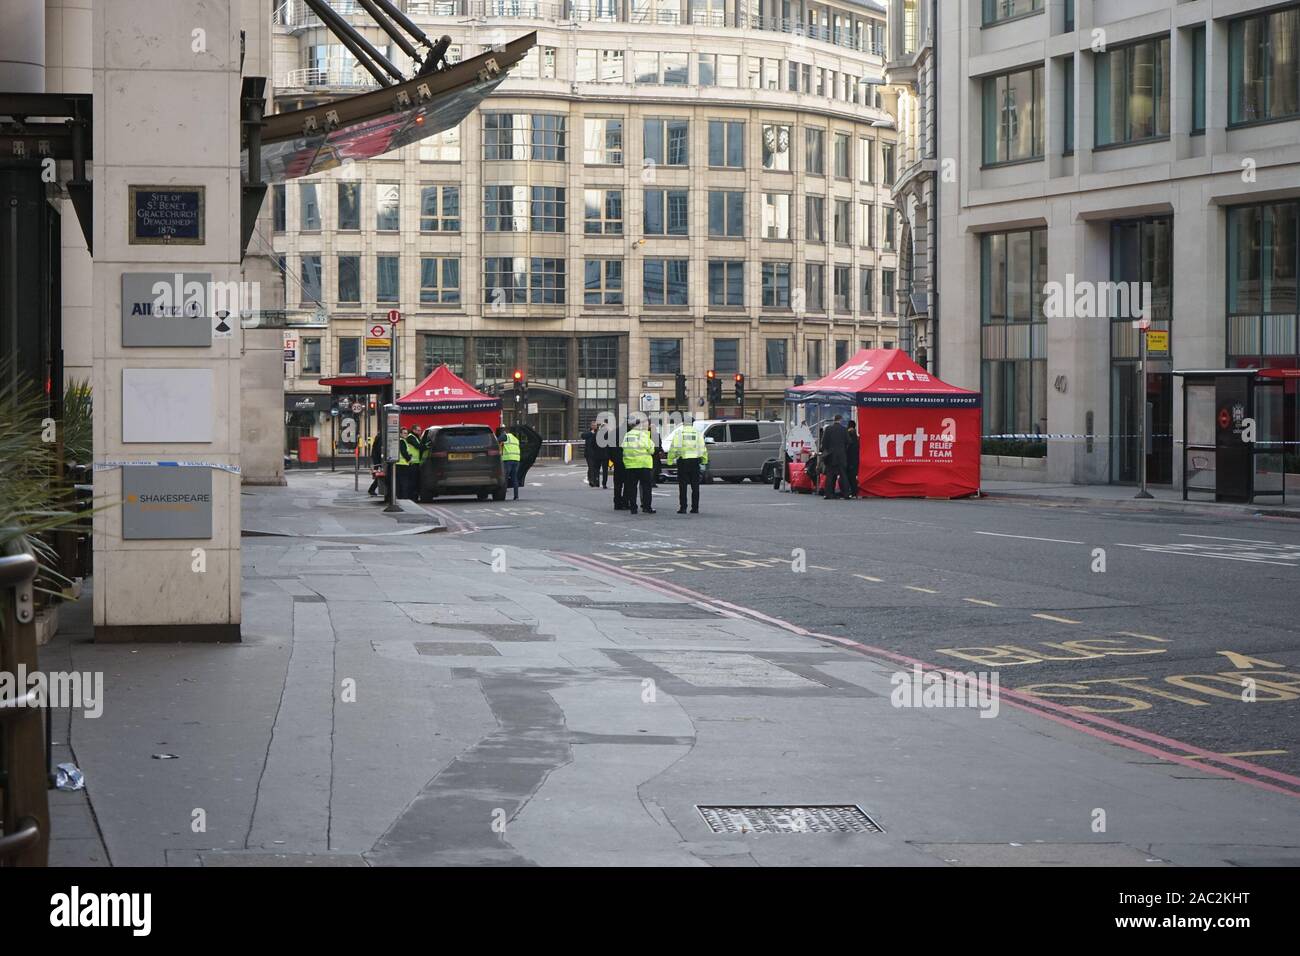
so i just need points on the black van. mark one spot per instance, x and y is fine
(462, 460)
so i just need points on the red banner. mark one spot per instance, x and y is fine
(919, 452)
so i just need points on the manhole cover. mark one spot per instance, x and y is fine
(814, 818)
(645, 610)
(453, 649)
(500, 632)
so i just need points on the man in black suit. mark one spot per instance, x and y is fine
(835, 456)
(593, 453)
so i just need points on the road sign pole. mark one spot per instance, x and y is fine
(1142, 415)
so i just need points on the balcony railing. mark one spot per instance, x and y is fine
(296, 14)
(346, 77)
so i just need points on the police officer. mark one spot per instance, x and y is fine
(638, 466)
(376, 463)
(414, 455)
(510, 458)
(403, 469)
(688, 451)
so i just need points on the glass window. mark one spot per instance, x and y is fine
(349, 356)
(604, 212)
(676, 68)
(815, 218)
(548, 360)
(707, 69)
(887, 164)
(495, 359)
(726, 144)
(388, 207)
(842, 155)
(441, 147)
(866, 214)
(726, 282)
(997, 10)
(728, 70)
(776, 147)
(349, 198)
(666, 212)
(843, 292)
(1263, 246)
(549, 207)
(1198, 79)
(814, 350)
(549, 137)
(603, 282)
(311, 279)
(599, 66)
(664, 281)
(776, 215)
(1067, 96)
(726, 355)
(603, 142)
(777, 358)
(815, 287)
(867, 302)
(726, 213)
(279, 207)
(841, 352)
(665, 356)
(308, 208)
(776, 285)
(439, 281)
(1013, 117)
(1264, 67)
(815, 157)
(440, 209)
(1014, 371)
(1132, 92)
(546, 283)
(505, 208)
(890, 221)
(448, 350)
(841, 222)
(505, 136)
(386, 278)
(311, 356)
(667, 141)
(349, 278)
(598, 375)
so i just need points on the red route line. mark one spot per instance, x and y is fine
(1026, 702)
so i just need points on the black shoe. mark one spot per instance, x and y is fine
(631, 511)
(650, 511)
(620, 507)
(681, 511)
(695, 511)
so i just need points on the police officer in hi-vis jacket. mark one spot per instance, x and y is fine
(639, 466)
(689, 453)
(510, 459)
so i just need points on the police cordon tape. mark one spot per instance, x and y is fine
(1046, 436)
(217, 465)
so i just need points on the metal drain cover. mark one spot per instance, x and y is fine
(455, 649)
(808, 818)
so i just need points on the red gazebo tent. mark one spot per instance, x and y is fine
(444, 398)
(918, 436)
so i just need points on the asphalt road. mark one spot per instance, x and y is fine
(1164, 622)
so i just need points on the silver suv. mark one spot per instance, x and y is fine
(738, 448)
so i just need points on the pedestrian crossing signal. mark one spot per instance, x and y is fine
(740, 388)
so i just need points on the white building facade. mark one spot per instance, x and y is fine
(1114, 141)
(658, 188)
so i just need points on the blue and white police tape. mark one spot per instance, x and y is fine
(137, 463)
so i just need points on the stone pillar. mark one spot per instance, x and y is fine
(166, 127)
(22, 47)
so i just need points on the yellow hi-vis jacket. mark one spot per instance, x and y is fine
(414, 449)
(510, 448)
(638, 449)
(403, 452)
(687, 443)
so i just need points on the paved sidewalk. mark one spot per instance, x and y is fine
(428, 699)
(1123, 497)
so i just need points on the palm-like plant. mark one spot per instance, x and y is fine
(34, 499)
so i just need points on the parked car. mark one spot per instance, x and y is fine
(738, 449)
(462, 460)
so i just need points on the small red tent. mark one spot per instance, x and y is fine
(918, 436)
(444, 398)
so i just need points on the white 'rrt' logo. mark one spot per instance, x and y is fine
(908, 376)
(917, 438)
(852, 371)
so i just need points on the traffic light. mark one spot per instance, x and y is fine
(715, 386)
(520, 386)
(681, 389)
(740, 388)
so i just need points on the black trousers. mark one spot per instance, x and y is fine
(688, 476)
(620, 479)
(593, 471)
(853, 479)
(837, 473)
(638, 478)
(407, 478)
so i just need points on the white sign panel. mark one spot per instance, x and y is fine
(167, 405)
(649, 402)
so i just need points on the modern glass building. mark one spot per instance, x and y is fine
(658, 188)
(1112, 158)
